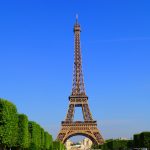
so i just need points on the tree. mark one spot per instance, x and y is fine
(57, 145)
(8, 124)
(48, 140)
(115, 144)
(23, 141)
(136, 140)
(38, 132)
(130, 144)
(42, 138)
(17, 132)
(94, 146)
(34, 135)
(120, 144)
(145, 139)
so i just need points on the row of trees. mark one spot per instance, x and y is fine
(141, 140)
(115, 145)
(17, 132)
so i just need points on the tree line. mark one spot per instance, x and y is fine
(141, 140)
(17, 132)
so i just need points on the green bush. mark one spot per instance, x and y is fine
(145, 139)
(57, 145)
(23, 141)
(42, 138)
(142, 140)
(34, 135)
(8, 124)
(48, 141)
(115, 145)
(16, 132)
(119, 144)
(137, 142)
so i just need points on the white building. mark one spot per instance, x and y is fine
(68, 144)
(86, 144)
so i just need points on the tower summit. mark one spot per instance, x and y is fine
(78, 98)
(78, 82)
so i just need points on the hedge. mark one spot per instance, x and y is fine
(57, 145)
(16, 132)
(23, 141)
(115, 144)
(142, 140)
(8, 124)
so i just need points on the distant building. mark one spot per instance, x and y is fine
(86, 144)
(68, 144)
(123, 138)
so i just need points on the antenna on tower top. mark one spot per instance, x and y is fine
(76, 18)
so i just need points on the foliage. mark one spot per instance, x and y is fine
(94, 146)
(130, 144)
(38, 138)
(119, 144)
(145, 139)
(115, 145)
(136, 142)
(57, 145)
(35, 135)
(8, 124)
(48, 140)
(142, 140)
(16, 132)
(42, 138)
(23, 141)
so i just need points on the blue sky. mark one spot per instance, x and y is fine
(36, 61)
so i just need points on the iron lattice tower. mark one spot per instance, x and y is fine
(78, 98)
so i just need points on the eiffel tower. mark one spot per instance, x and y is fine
(78, 98)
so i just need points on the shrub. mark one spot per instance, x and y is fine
(23, 141)
(8, 124)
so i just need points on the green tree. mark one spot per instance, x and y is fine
(136, 141)
(145, 139)
(17, 132)
(23, 141)
(130, 144)
(34, 135)
(115, 144)
(95, 146)
(8, 124)
(42, 138)
(38, 132)
(119, 144)
(57, 145)
(48, 140)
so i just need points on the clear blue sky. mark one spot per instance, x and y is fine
(36, 61)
